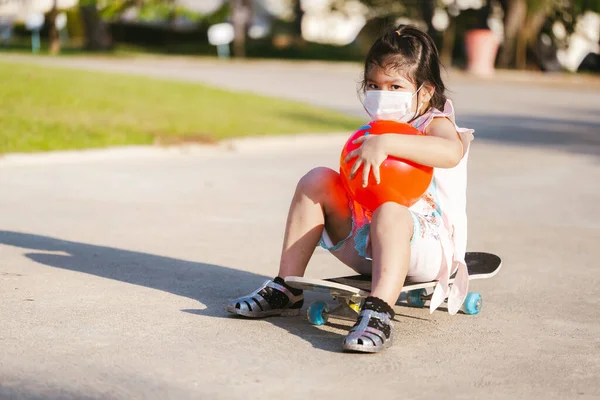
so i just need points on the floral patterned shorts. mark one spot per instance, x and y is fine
(426, 251)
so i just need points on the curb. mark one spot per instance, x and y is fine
(262, 144)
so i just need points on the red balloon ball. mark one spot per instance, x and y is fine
(402, 181)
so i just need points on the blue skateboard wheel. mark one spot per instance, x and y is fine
(414, 298)
(317, 313)
(472, 304)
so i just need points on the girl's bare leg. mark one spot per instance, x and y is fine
(391, 232)
(319, 201)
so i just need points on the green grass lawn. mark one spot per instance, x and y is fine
(45, 108)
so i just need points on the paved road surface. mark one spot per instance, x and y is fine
(115, 267)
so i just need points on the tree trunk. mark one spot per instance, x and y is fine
(298, 14)
(53, 34)
(241, 11)
(448, 43)
(297, 24)
(170, 32)
(515, 13)
(528, 36)
(97, 36)
(521, 50)
(427, 11)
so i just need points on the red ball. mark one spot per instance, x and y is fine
(402, 181)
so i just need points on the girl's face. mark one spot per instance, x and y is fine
(394, 80)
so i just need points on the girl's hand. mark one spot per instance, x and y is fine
(370, 155)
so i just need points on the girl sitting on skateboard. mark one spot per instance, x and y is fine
(425, 242)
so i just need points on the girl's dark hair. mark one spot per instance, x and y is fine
(412, 50)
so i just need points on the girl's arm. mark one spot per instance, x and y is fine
(441, 148)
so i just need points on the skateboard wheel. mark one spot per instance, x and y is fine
(414, 298)
(317, 313)
(472, 304)
(402, 298)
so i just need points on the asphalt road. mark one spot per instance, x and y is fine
(116, 265)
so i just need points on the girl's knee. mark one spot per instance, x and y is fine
(392, 216)
(319, 180)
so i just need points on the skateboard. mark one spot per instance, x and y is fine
(350, 291)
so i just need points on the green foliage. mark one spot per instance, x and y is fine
(153, 10)
(74, 23)
(114, 8)
(220, 15)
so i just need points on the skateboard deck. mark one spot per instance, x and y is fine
(351, 290)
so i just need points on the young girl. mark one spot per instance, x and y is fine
(424, 242)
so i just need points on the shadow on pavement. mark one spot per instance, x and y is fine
(22, 392)
(207, 283)
(581, 137)
(319, 337)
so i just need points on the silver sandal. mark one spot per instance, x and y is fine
(366, 339)
(255, 305)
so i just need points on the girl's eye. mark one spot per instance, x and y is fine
(372, 86)
(396, 87)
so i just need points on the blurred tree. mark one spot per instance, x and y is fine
(515, 13)
(297, 24)
(537, 12)
(97, 36)
(524, 20)
(427, 11)
(395, 8)
(382, 14)
(241, 13)
(53, 34)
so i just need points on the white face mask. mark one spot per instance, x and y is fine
(385, 104)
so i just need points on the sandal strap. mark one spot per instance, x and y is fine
(366, 315)
(292, 298)
(366, 337)
(363, 328)
(273, 285)
(252, 298)
(377, 338)
(264, 304)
